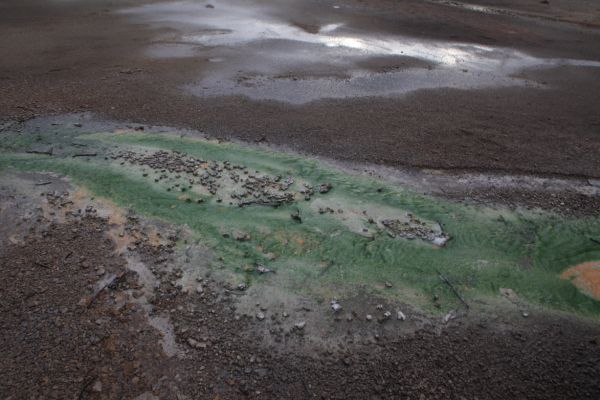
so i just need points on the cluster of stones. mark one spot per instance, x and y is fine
(251, 188)
(411, 229)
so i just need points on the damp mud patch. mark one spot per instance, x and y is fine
(318, 231)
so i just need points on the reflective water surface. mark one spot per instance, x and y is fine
(260, 50)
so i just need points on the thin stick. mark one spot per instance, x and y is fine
(85, 155)
(47, 152)
(444, 279)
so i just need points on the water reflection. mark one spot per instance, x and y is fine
(266, 56)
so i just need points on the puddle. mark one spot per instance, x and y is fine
(264, 55)
(586, 277)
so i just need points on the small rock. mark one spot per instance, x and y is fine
(450, 316)
(388, 284)
(97, 387)
(242, 286)
(324, 188)
(509, 294)
(335, 306)
(196, 344)
(300, 325)
(369, 317)
(400, 316)
(387, 315)
(241, 236)
(296, 216)
(260, 316)
(199, 289)
(261, 269)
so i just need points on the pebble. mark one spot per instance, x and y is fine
(335, 306)
(400, 316)
(260, 316)
(97, 387)
(369, 317)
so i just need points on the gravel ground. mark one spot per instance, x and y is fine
(80, 322)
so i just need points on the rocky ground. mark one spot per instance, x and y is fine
(81, 319)
(96, 302)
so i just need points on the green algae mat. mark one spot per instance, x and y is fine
(322, 232)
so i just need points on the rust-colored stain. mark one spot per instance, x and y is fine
(586, 277)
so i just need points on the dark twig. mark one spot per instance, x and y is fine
(111, 283)
(41, 264)
(85, 155)
(445, 280)
(46, 152)
(86, 384)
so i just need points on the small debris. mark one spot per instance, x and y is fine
(260, 316)
(300, 325)
(388, 284)
(241, 286)
(450, 316)
(97, 387)
(509, 294)
(196, 344)
(335, 306)
(369, 317)
(324, 188)
(296, 216)
(261, 269)
(400, 316)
